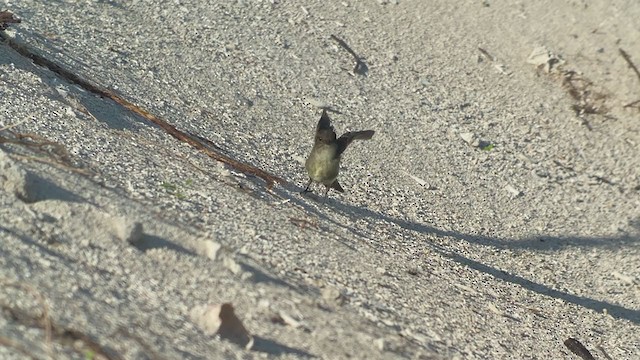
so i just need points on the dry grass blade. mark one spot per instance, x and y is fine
(604, 352)
(95, 347)
(635, 104)
(54, 163)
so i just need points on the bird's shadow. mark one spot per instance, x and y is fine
(543, 243)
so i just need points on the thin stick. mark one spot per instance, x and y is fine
(360, 67)
(150, 352)
(599, 347)
(45, 320)
(346, 47)
(168, 128)
(14, 125)
(6, 18)
(13, 344)
(627, 58)
(632, 104)
(55, 163)
(486, 53)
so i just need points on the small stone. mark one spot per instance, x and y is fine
(287, 319)
(379, 343)
(222, 320)
(513, 191)
(13, 179)
(333, 296)
(317, 103)
(491, 307)
(541, 57)
(231, 265)
(468, 137)
(627, 280)
(126, 229)
(210, 249)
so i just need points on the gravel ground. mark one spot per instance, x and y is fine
(495, 213)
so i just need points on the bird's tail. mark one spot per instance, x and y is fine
(337, 186)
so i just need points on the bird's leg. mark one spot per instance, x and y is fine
(326, 192)
(307, 188)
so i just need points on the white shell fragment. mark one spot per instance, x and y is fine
(220, 319)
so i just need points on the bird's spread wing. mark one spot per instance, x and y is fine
(348, 137)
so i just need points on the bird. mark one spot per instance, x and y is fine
(323, 163)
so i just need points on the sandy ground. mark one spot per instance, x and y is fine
(495, 213)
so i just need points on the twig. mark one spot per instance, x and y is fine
(53, 162)
(14, 125)
(302, 223)
(486, 54)
(59, 333)
(40, 144)
(6, 18)
(168, 128)
(21, 349)
(151, 353)
(45, 320)
(360, 67)
(205, 140)
(599, 347)
(632, 104)
(627, 58)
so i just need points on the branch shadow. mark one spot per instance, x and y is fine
(103, 110)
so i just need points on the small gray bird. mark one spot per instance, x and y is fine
(323, 164)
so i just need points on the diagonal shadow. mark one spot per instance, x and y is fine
(271, 347)
(148, 242)
(617, 311)
(260, 276)
(40, 189)
(103, 110)
(537, 243)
